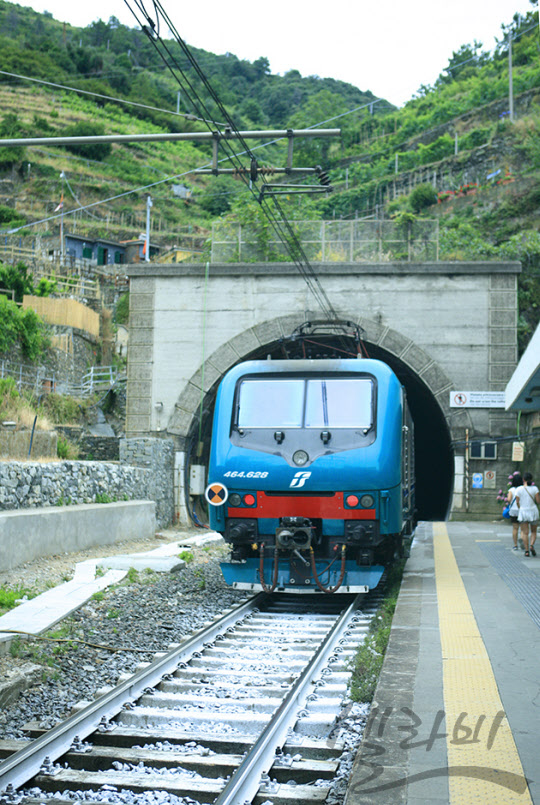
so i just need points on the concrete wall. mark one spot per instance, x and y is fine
(452, 324)
(29, 534)
(16, 444)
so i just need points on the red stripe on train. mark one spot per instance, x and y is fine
(301, 506)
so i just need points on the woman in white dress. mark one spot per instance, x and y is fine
(528, 498)
(517, 481)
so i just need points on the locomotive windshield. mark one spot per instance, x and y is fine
(269, 403)
(305, 403)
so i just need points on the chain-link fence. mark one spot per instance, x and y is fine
(372, 241)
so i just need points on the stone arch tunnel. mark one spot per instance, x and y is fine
(440, 326)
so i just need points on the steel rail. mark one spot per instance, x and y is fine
(21, 766)
(210, 136)
(246, 779)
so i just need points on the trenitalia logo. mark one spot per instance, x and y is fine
(299, 479)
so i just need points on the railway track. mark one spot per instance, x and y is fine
(239, 712)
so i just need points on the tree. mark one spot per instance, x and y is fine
(16, 279)
(463, 62)
(22, 326)
(10, 128)
(97, 151)
(322, 106)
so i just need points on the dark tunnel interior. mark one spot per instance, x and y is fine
(433, 450)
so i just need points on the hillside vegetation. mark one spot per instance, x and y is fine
(450, 153)
(118, 62)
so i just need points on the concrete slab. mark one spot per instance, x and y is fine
(159, 564)
(41, 613)
(17, 680)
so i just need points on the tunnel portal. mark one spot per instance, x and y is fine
(434, 458)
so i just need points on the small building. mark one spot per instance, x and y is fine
(135, 250)
(99, 251)
(178, 254)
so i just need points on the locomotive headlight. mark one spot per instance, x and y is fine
(367, 501)
(300, 458)
(235, 499)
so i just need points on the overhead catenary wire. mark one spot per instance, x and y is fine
(282, 227)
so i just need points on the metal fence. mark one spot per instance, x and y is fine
(39, 380)
(340, 241)
(98, 378)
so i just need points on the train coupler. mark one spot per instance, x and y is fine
(295, 534)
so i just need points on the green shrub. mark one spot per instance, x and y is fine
(186, 556)
(8, 391)
(122, 309)
(23, 327)
(424, 195)
(10, 595)
(103, 497)
(66, 449)
(45, 287)
(83, 128)
(16, 278)
(61, 409)
(10, 216)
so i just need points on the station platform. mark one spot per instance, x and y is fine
(456, 714)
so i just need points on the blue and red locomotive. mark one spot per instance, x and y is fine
(311, 474)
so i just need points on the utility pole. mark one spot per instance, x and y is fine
(62, 176)
(510, 79)
(148, 206)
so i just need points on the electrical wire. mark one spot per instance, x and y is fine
(281, 225)
(185, 115)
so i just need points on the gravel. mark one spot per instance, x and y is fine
(137, 618)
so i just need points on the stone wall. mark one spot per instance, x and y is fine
(33, 485)
(100, 448)
(156, 457)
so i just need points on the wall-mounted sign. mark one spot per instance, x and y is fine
(478, 480)
(477, 399)
(490, 479)
(518, 451)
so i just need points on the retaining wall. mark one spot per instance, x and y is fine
(17, 443)
(26, 484)
(29, 534)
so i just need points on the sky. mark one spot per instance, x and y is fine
(390, 48)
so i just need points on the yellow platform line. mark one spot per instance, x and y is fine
(483, 761)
